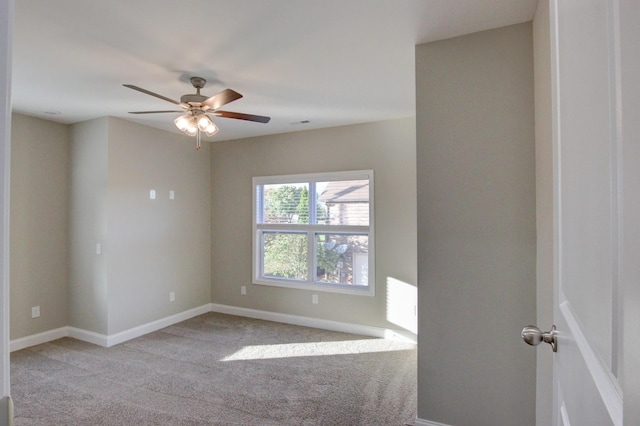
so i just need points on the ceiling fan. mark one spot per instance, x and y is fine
(197, 108)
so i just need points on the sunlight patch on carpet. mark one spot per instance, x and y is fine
(290, 350)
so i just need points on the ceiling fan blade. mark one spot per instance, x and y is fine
(152, 112)
(241, 116)
(222, 98)
(145, 91)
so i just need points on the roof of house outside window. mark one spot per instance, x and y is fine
(351, 191)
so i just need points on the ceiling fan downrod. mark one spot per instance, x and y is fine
(198, 83)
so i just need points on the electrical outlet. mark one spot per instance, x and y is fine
(172, 195)
(35, 312)
(314, 299)
(172, 296)
(152, 194)
(243, 290)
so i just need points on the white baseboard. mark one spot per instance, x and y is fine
(88, 336)
(323, 324)
(150, 327)
(102, 339)
(132, 333)
(38, 339)
(420, 422)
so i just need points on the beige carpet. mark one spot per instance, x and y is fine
(218, 369)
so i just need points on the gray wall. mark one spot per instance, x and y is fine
(39, 233)
(93, 187)
(386, 147)
(149, 247)
(476, 228)
(162, 245)
(544, 206)
(88, 225)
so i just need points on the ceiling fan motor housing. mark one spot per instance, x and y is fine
(193, 98)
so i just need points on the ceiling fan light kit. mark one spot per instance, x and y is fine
(206, 125)
(196, 108)
(186, 123)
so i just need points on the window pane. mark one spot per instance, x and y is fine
(285, 255)
(285, 203)
(342, 259)
(344, 202)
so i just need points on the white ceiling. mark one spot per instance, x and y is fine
(332, 62)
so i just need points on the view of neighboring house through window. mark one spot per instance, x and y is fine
(315, 231)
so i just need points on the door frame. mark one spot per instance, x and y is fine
(629, 93)
(544, 205)
(6, 45)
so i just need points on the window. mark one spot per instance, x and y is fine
(315, 231)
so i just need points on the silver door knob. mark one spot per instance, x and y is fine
(533, 336)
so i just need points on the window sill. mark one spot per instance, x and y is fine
(328, 288)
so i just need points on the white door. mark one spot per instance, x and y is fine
(587, 229)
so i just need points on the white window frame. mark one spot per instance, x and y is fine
(311, 230)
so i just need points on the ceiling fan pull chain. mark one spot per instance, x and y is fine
(198, 144)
